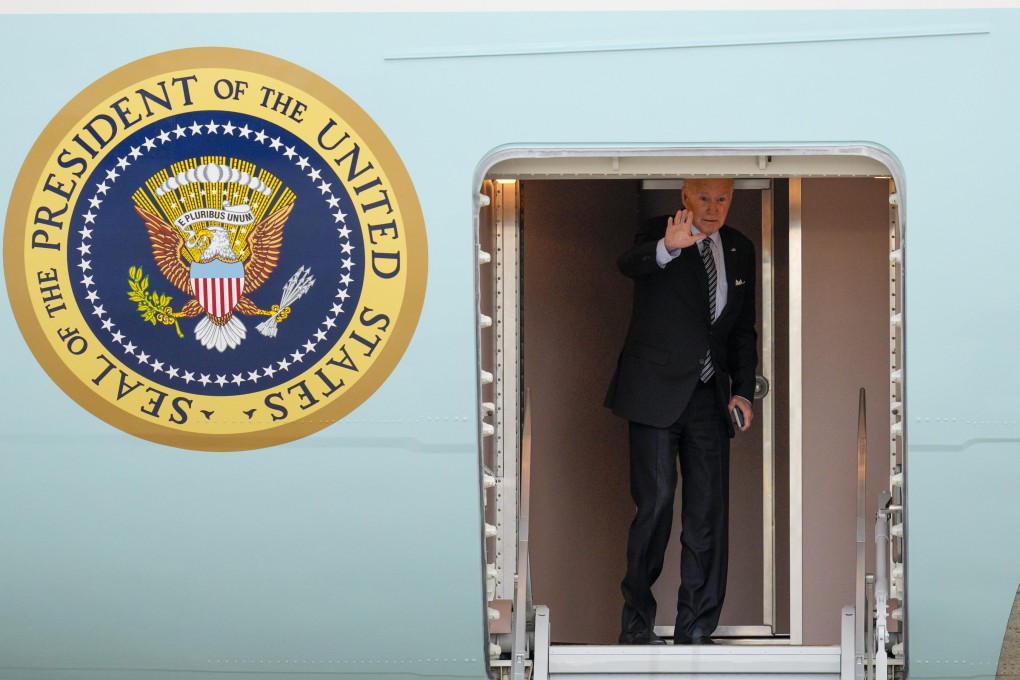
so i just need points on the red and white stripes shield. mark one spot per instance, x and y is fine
(217, 296)
(217, 285)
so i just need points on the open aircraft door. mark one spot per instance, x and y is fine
(554, 311)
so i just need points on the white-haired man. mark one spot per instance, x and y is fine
(688, 362)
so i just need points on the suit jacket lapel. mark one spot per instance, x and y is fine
(729, 259)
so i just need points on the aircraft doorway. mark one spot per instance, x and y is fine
(576, 309)
(573, 308)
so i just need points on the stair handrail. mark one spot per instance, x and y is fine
(861, 595)
(870, 649)
(522, 599)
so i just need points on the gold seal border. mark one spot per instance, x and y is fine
(256, 62)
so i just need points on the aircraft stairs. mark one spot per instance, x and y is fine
(722, 661)
(737, 659)
(745, 659)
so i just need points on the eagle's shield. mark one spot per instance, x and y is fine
(217, 285)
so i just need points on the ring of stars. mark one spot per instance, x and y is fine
(177, 373)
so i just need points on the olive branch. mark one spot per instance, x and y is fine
(154, 307)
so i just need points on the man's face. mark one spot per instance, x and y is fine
(709, 200)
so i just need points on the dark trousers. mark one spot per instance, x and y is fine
(700, 441)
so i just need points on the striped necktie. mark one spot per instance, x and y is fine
(706, 256)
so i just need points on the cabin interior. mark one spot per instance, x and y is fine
(559, 309)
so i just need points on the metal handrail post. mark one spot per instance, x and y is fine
(540, 664)
(869, 625)
(881, 587)
(847, 660)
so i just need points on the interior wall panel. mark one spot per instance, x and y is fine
(576, 310)
(846, 347)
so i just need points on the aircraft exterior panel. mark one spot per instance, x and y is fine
(356, 550)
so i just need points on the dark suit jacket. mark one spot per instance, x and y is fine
(670, 329)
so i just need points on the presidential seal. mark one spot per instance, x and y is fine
(215, 249)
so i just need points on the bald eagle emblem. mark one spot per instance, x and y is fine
(216, 230)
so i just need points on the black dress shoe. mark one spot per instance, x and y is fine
(644, 637)
(681, 639)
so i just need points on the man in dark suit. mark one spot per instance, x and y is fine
(688, 362)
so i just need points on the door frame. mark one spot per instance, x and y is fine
(669, 162)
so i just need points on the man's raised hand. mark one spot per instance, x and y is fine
(678, 231)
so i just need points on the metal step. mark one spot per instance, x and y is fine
(718, 662)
